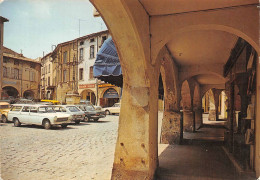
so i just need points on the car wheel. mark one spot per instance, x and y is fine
(107, 112)
(96, 119)
(46, 124)
(86, 119)
(77, 122)
(64, 126)
(4, 119)
(17, 122)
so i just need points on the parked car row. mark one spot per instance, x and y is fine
(48, 115)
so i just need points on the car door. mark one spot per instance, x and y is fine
(34, 117)
(24, 115)
(14, 112)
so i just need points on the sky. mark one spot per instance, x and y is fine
(35, 25)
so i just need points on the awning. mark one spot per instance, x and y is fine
(110, 93)
(107, 66)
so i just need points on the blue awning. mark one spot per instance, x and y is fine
(107, 66)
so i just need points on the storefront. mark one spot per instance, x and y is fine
(87, 92)
(109, 98)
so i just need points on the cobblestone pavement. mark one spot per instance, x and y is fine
(84, 151)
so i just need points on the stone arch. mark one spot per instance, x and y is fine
(216, 71)
(169, 73)
(10, 91)
(105, 89)
(28, 94)
(203, 27)
(91, 96)
(239, 18)
(208, 100)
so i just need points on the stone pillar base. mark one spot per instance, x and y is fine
(171, 128)
(119, 173)
(198, 117)
(188, 118)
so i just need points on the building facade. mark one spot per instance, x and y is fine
(2, 21)
(21, 76)
(69, 70)
(89, 87)
(65, 70)
(47, 84)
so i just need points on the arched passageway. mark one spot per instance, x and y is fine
(89, 95)
(109, 97)
(199, 39)
(28, 94)
(9, 92)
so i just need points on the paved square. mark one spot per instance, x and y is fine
(84, 151)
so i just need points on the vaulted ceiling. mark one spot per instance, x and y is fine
(155, 7)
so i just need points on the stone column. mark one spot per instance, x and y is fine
(198, 117)
(188, 120)
(171, 128)
(216, 93)
(136, 153)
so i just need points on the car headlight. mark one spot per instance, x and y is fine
(70, 117)
(55, 118)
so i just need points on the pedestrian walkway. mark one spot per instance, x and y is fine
(201, 157)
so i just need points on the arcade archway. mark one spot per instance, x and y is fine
(9, 92)
(28, 94)
(89, 95)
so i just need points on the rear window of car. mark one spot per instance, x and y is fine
(16, 108)
(90, 108)
(46, 109)
(4, 106)
(59, 109)
(82, 108)
(25, 109)
(73, 109)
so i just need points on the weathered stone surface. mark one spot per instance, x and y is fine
(212, 115)
(188, 118)
(171, 128)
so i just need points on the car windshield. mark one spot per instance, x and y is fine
(46, 109)
(73, 109)
(116, 105)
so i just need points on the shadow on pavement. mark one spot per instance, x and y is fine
(41, 127)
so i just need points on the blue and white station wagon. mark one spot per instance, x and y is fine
(37, 114)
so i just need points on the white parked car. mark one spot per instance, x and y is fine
(37, 114)
(115, 109)
(77, 114)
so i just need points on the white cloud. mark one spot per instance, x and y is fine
(1, 1)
